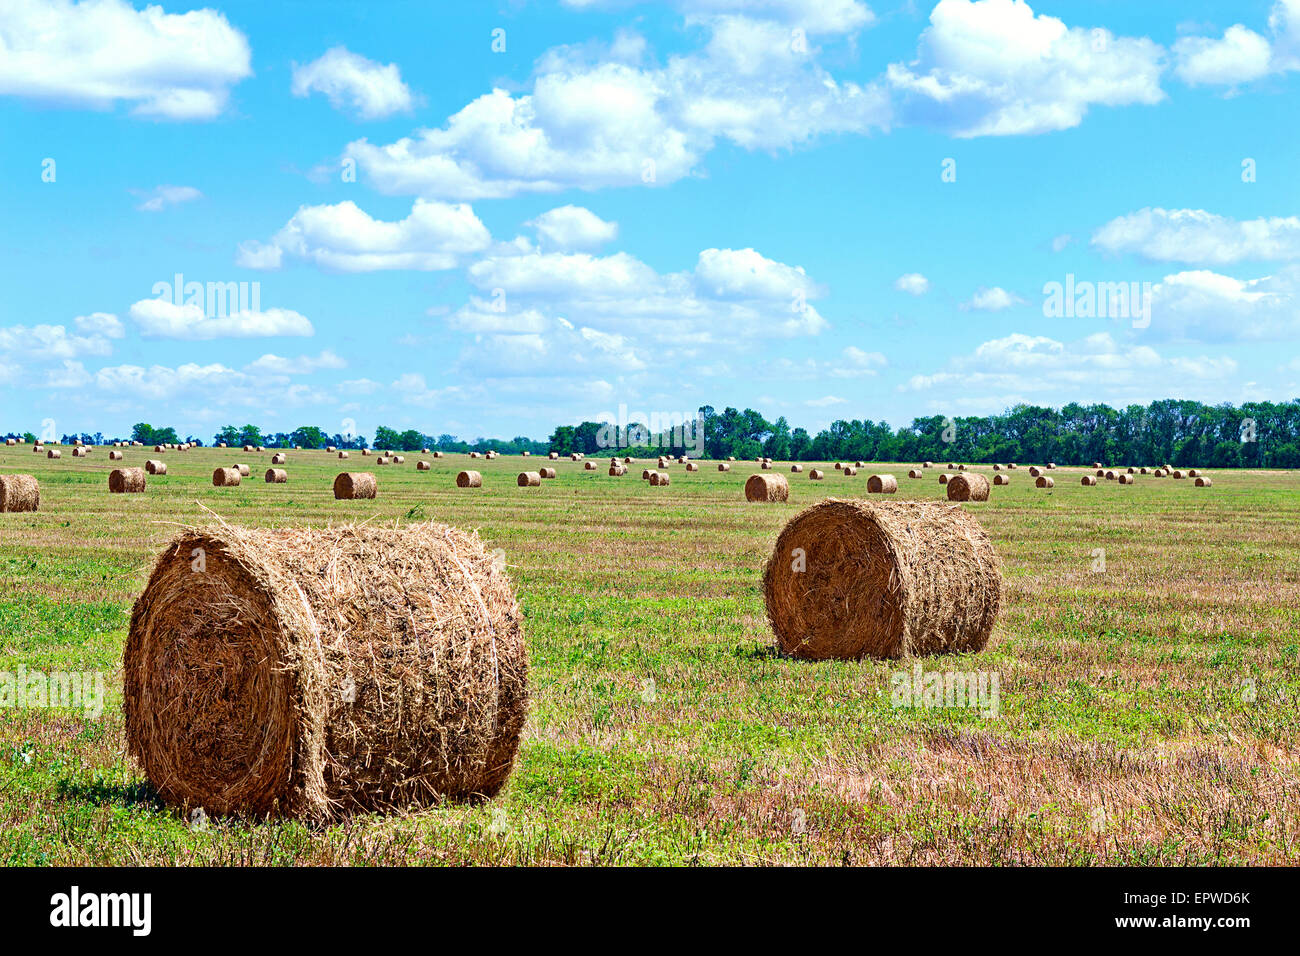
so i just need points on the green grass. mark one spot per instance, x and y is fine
(1148, 713)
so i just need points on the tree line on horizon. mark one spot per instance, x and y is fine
(1184, 433)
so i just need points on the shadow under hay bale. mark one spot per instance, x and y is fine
(316, 673)
(355, 484)
(19, 493)
(882, 579)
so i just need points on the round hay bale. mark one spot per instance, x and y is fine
(329, 448)
(997, 467)
(627, 460)
(961, 467)
(1034, 471)
(839, 466)
(663, 462)
(162, 448)
(723, 466)
(365, 452)
(659, 479)
(943, 479)
(796, 469)
(691, 466)
(398, 459)
(155, 467)
(766, 466)
(355, 484)
(20, 493)
(11, 442)
(524, 454)
(546, 472)
(767, 488)
(279, 459)
(383, 460)
(848, 471)
(731, 458)
(37, 449)
(247, 448)
(1191, 473)
(882, 485)
(244, 470)
(422, 466)
(276, 476)
(437, 454)
(80, 451)
(617, 471)
(1011, 466)
(645, 474)
(927, 464)
(1130, 471)
(1142, 471)
(589, 466)
(1096, 464)
(1088, 480)
(883, 579)
(859, 464)
(915, 473)
(574, 456)
(1100, 473)
(1111, 476)
(226, 477)
(553, 455)
(342, 455)
(1043, 481)
(316, 673)
(1204, 481)
(968, 487)
(54, 453)
(114, 456)
(1179, 474)
(127, 481)
(1051, 464)
(526, 479)
(1001, 480)
(1126, 479)
(471, 479)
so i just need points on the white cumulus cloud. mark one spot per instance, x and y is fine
(370, 90)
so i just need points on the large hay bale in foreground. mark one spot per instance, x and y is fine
(767, 488)
(317, 673)
(882, 485)
(276, 476)
(19, 493)
(127, 481)
(155, 467)
(968, 486)
(882, 579)
(226, 477)
(1044, 481)
(528, 479)
(469, 479)
(355, 484)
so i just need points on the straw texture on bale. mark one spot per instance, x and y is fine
(114, 456)
(882, 579)
(968, 487)
(276, 476)
(226, 477)
(546, 472)
(724, 466)
(1204, 481)
(1001, 480)
(529, 479)
(767, 488)
(355, 484)
(126, 481)
(1043, 481)
(19, 493)
(54, 453)
(316, 673)
(155, 467)
(882, 485)
(660, 479)
(1088, 480)
(422, 466)
(279, 459)
(470, 479)
(244, 470)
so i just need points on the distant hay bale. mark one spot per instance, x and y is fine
(1034, 471)
(11, 442)
(659, 479)
(526, 479)
(525, 454)
(226, 477)
(691, 466)
(1130, 471)
(645, 474)
(663, 462)
(365, 452)
(383, 460)
(399, 459)
(589, 466)
(161, 448)
(38, 448)
(546, 472)
(1012, 466)
(574, 456)
(1100, 473)
(422, 466)
(1111, 476)
(553, 455)
(80, 451)
(882, 579)
(1191, 473)
(882, 485)
(839, 466)
(1204, 481)
(247, 448)
(1051, 464)
(316, 673)
(961, 467)
(997, 467)
(469, 479)
(968, 487)
(927, 464)
(342, 455)
(425, 451)
(279, 459)
(915, 473)
(848, 471)
(724, 466)
(627, 460)
(617, 471)
(155, 467)
(816, 475)
(1001, 480)
(1126, 479)
(329, 448)
(1088, 480)
(1043, 481)
(767, 488)
(1096, 464)
(1179, 474)
(54, 453)
(276, 476)
(474, 454)
(19, 493)
(437, 454)
(114, 456)
(355, 484)
(1142, 471)
(766, 465)
(943, 479)
(127, 481)
(244, 470)
(796, 468)
(731, 458)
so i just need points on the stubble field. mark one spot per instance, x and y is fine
(1148, 712)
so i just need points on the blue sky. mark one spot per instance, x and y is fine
(657, 205)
